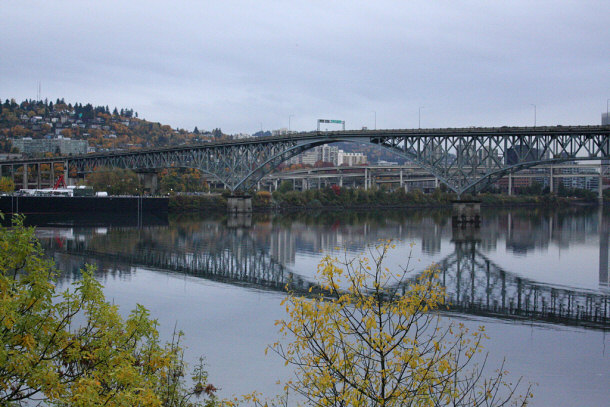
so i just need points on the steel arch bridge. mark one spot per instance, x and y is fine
(466, 159)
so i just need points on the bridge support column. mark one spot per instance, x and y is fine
(38, 176)
(466, 213)
(239, 204)
(510, 184)
(551, 186)
(25, 176)
(66, 173)
(149, 180)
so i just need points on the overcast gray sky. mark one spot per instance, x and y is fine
(239, 64)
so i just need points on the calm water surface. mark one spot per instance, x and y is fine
(537, 280)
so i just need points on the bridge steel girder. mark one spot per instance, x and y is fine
(463, 159)
(481, 157)
(237, 165)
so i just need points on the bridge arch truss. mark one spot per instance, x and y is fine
(466, 160)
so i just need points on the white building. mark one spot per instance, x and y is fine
(309, 157)
(351, 159)
(325, 153)
(328, 154)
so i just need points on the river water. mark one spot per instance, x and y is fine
(537, 279)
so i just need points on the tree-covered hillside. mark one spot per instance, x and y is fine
(103, 128)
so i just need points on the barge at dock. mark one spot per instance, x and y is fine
(52, 204)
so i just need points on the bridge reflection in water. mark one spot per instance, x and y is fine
(475, 284)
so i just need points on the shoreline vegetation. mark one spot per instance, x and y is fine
(343, 198)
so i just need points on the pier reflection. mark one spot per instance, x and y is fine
(476, 285)
(261, 252)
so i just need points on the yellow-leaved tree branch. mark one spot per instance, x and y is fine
(73, 348)
(374, 337)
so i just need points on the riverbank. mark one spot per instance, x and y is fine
(343, 198)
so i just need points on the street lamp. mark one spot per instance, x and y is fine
(419, 116)
(534, 113)
(289, 117)
(375, 113)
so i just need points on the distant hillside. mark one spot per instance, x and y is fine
(103, 129)
(116, 129)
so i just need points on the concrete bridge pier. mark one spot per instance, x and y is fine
(466, 213)
(38, 176)
(149, 181)
(239, 204)
(66, 173)
(24, 183)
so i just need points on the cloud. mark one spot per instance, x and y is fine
(233, 64)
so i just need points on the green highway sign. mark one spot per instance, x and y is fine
(331, 121)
